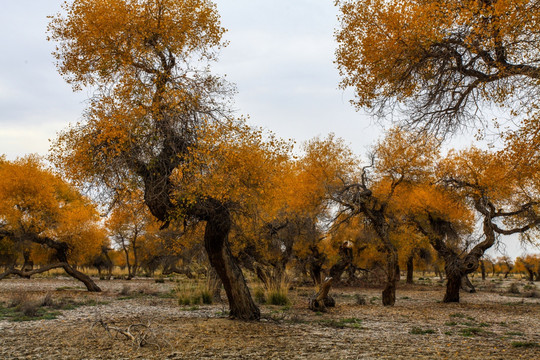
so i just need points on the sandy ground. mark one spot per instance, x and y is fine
(486, 325)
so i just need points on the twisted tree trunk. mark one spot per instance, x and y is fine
(321, 300)
(218, 225)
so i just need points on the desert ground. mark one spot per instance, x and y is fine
(56, 318)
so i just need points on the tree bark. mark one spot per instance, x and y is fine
(85, 279)
(389, 292)
(214, 284)
(321, 300)
(410, 270)
(218, 225)
(466, 284)
(483, 268)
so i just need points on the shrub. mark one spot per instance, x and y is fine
(193, 294)
(126, 290)
(419, 331)
(360, 299)
(278, 297)
(514, 288)
(47, 300)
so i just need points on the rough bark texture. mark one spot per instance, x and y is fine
(214, 284)
(85, 279)
(466, 285)
(218, 225)
(410, 270)
(321, 300)
(389, 292)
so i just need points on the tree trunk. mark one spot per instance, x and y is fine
(389, 292)
(453, 277)
(214, 284)
(321, 300)
(466, 284)
(135, 268)
(218, 225)
(483, 268)
(126, 252)
(85, 279)
(410, 270)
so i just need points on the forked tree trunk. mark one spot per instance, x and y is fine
(410, 270)
(218, 225)
(321, 300)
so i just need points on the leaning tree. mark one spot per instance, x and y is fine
(147, 63)
(39, 212)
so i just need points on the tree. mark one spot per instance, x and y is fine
(502, 197)
(399, 160)
(149, 61)
(38, 208)
(438, 62)
(129, 222)
(529, 264)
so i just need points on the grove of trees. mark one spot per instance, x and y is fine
(180, 178)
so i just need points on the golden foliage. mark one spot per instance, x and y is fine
(33, 200)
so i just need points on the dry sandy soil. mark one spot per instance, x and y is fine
(490, 324)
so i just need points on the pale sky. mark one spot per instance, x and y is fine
(280, 57)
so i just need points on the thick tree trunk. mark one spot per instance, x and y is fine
(321, 300)
(389, 292)
(218, 224)
(85, 279)
(410, 270)
(214, 284)
(453, 277)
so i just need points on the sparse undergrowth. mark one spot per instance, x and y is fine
(22, 307)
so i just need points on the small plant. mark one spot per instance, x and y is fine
(360, 299)
(450, 323)
(514, 288)
(194, 294)
(278, 297)
(534, 293)
(342, 323)
(259, 295)
(419, 331)
(514, 333)
(47, 300)
(524, 344)
(126, 290)
(470, 331)
(457, 315)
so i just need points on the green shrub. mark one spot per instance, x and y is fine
(524, 344)
(419, 331)
(278, 297)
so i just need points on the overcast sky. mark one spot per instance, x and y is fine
(280, 57)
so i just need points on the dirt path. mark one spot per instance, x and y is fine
(483, 326)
